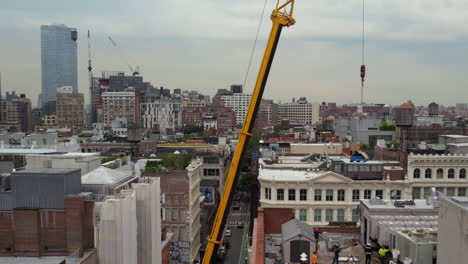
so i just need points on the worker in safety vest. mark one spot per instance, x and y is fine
(382, 254)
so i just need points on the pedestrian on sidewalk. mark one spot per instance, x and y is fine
(315, 258)
(368, 251)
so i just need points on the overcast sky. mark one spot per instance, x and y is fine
(415, 49)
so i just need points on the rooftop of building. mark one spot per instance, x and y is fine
(392, 205)
(460, 201)
(291, 163)
(405, 106)
(45, 171)
(103, 175)
(294, 228)
(290, 174)
(454, 136)
(41, 259)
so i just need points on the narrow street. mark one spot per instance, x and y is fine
(237, 233)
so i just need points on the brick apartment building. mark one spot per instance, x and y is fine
(224, 117)
(43, 213)
(70, 110)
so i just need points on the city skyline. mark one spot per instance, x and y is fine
(408, 54)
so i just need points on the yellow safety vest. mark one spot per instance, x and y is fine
(383, 251)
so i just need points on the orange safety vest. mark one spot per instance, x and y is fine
(314, 259)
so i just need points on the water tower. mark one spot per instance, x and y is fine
(433, 109)
(404, 118)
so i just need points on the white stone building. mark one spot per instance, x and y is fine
(301, 112)
(447, 173)
(164, 113)
(239, 103)
(318, 196)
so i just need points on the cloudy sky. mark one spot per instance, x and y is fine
(415, 49)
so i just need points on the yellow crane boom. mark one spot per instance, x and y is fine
(281, 16)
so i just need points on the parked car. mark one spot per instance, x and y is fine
(226, 244)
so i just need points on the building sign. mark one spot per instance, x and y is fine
(209, 193)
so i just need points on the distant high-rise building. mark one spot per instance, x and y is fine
(69, 108)
(58, 60)
(239, 103)
(462, 106)
(17, 109)
(300, 111)
(236, 88)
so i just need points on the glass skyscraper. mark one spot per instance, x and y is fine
(58, 61)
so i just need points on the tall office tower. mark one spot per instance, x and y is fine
(58, 62)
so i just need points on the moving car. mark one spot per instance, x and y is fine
(240, 224)
(228, 233)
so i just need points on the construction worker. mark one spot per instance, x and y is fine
(368, 252)
(315, 258)
(382, 254)
(336, 250)
(316, 235)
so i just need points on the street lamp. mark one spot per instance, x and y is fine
(303, 258)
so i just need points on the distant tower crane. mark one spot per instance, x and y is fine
(90, 76)
(134, 71)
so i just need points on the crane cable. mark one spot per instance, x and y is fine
(363, 66)
(254, 45)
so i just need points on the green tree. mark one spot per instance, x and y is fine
(191, 129)
(364, 146)
(183, 161)
(244, 181)
(169, 161)
(277, 130)
(387, 127)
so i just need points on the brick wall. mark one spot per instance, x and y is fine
(6, 229)
(275, 217)
(26, 226)
(74, 210)
(52, 230)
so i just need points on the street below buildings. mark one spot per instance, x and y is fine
(237, 233)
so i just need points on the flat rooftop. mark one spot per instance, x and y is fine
(389, 205)
(461, 201)
(46, 171)
(288, 175)
(291, 162)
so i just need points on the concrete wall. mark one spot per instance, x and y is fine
(118, 230)
(453, 233)
(148, 209)
(316, 148)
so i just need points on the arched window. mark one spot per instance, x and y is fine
(440, 173)
(462, 174)
(451, 173)
(417, 173)
(428, 174)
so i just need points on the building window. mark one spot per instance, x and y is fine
(379, 194)
(367, 194)
(303, 215)
(395, 194)
(318, 195)
(291, 194)
(210, 160)
(440, 173)
(450, 191)
(340, 215)
(329, 215)
(428, 174)
(210, 172)
(462, 191)
(303, 195)
(416, 193)
(318, 215)
(341, 195)
(356, 195)
(280, 194)
(427, 192)
(329, 195)
(462, 174)
(417, 173)
(451, 173)
(268, 193)
(355, 215)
